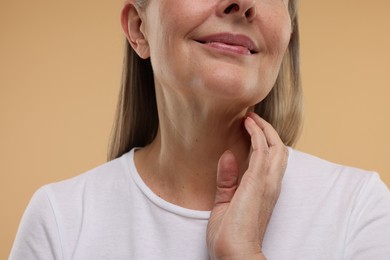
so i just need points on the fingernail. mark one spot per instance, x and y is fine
(249, 123)
(250, 119)
(228, 152)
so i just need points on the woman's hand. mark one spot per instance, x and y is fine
(242, 210)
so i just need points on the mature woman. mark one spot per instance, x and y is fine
(201, 159)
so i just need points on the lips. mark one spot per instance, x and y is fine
(240, 44)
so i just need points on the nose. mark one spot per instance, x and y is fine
(238, 8)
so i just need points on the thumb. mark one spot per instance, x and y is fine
(227, 178)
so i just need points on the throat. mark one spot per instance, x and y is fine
(180, 165)
(177, 183)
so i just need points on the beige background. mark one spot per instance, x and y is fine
(60, 64)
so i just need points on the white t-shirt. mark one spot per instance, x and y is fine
(325, 211)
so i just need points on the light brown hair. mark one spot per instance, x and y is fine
(136, 121)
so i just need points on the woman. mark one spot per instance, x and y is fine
(210, 102)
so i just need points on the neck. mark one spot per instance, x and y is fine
(180, 165)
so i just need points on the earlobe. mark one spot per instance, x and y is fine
(131, 24)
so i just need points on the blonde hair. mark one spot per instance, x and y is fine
(136, 121)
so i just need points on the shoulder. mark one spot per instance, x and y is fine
(72, 194)
(58, 211)
(70, 199)
(310, 176)
(101, 178)
(310, 167)
(348, 208)
(336, 187)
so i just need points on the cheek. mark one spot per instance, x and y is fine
(280, 36)
(276, 30)
(161, 28)
(275, 24)
(170, 51)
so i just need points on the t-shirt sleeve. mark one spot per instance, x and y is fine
(38, 236)
(368, 235)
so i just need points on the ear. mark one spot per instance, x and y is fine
(132, 27)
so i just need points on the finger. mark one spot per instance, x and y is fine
(270, 133)
(258, 139)
(227, 178)
(260, 150)
(278, 151)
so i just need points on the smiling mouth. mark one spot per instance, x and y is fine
(228, 47)
(238, 44)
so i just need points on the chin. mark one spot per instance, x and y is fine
(233, 85)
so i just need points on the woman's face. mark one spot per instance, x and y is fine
(217, 48)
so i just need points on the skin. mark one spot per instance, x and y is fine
(230, 160)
